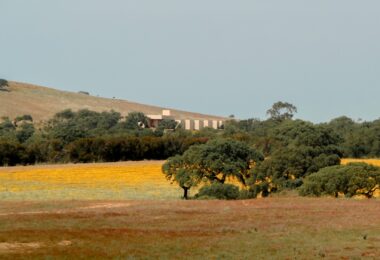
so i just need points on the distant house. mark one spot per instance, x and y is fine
(154, 120)
(188, 124)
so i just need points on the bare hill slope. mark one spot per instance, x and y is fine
(42, 103)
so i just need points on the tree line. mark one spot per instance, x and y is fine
(276, 155)
(88, 136)
(85, 135)
(265, 156)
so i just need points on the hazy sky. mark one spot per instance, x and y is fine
(211, 56)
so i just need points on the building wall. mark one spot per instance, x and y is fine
(215, 124)
(188, 124)
(197, 125)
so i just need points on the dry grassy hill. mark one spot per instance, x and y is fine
(42, 103)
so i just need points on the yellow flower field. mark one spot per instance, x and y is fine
(375, 162)
(124, 180)
(129, 180)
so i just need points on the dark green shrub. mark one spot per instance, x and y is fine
(219, 191)
(167, 124)
(3, 84)
(24, 118)
(246, 194)
(12, 154)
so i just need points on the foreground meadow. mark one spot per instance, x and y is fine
(271, 228)
(129, 210)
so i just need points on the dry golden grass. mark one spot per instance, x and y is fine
(42, 103)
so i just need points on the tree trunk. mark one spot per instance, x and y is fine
(223, 179)
(185, 192)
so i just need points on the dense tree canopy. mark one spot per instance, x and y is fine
(303, 149)
(350, 180)
(69, 126)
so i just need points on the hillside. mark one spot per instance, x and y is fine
(42, 103)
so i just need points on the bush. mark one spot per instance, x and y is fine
(245, 194)
(350, 180)
(24, 118)
(3, 83)
(12, 154)
(219, 191)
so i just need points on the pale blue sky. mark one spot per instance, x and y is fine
(212, 56)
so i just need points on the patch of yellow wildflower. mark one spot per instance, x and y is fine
(375, 162)
(97, 181)
(136, 180)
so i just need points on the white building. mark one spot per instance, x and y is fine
(188, 124)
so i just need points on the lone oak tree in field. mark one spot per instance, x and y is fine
(176, 171)
(212, 162)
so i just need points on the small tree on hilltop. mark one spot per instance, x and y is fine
(3, 84)
(281, 111)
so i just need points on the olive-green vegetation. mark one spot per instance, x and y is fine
(350, 180)
(359, 139)
(303, 148)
